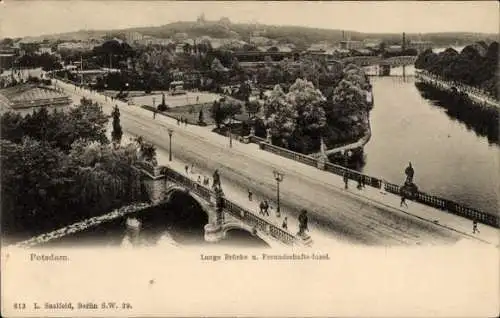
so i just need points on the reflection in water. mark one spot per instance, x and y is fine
(177, 223)
(483, 121)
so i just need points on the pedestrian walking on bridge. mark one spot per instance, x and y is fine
(285, 223)
(403, 199)
(474, 227)
(250, 195)
(346, 180)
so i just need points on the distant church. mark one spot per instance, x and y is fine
(201, 19)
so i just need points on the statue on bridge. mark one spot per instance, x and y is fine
(219, 204)
(409, 189)
(409, 172)
(303, 223)
(216, 177)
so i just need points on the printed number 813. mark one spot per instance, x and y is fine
(19, 306)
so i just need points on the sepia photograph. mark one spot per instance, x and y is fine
(249, 158)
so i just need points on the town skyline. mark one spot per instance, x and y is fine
(371, 17)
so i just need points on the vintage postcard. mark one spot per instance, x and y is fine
(249, 159)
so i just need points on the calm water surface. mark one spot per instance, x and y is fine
(450, 159)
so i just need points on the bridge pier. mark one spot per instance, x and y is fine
(214, 232)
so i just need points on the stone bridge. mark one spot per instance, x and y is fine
(162, 182)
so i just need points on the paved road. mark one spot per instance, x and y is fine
(344, 215)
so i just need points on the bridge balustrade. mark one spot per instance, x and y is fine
(353, 175)
(259, 223)
(232, 208)
(256, 139)
(289, 154)
(448, 205)
(421, 197)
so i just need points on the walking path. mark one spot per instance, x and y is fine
(368, 195)
(474, 94)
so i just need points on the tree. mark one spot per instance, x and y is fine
(116, 134)
(217, 65)
(87, 121)
(244, 91)
(349, 97)
(217, 114)
(280, 115)
(224, 109)
(252, 108)
(148, 151)
(307, 101)
(11, 126)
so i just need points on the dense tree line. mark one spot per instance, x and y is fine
(59, 168)
(299, 118)
(46, 61)
(299, 114)
(475, 65)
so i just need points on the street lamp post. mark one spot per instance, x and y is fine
(278, 176)
(170, 132)
(230, 133)
(154, 99)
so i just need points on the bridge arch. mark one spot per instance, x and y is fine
(173, 189)
(228, 226)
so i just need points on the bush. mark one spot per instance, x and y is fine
(163, 107)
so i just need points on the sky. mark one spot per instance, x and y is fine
(20, 18)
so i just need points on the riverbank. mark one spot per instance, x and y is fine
(484, 121)
(474, 95)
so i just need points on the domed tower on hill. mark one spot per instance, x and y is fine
(201, 19)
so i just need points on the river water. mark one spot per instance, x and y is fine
(176, 224)
(450, 159)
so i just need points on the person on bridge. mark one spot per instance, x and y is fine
(285, 223)
(250, 195)
(346, 180)
(474, 227)
(403, 199)
(154, 113)
(303, 222)
(178, 121)
(262, 206)
(186, 167)
(409, 173)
